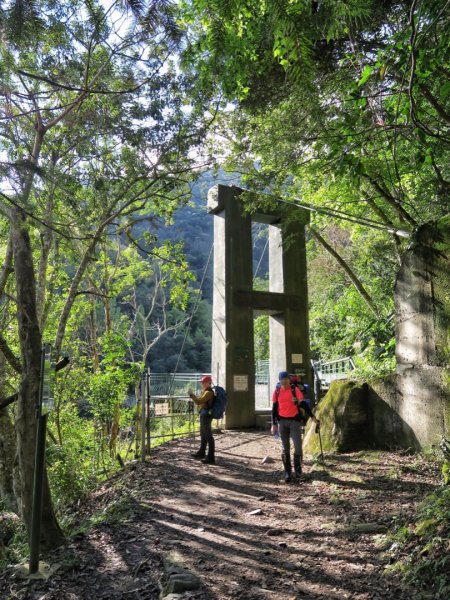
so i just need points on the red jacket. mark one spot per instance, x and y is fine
(286, 407)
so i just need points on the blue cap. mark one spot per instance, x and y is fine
(283, 375)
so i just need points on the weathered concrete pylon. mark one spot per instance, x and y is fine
(235, 302)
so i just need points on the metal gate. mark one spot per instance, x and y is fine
(165, 408)
(165, 411)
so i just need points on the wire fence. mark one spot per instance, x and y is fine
(176, 384)
(166, 412)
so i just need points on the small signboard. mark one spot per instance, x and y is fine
(161, 409)
(297, 359)
(240, 383)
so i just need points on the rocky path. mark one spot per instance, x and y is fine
(237, 526)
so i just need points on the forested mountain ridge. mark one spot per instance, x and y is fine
(193, 228)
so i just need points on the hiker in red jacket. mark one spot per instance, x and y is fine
(289, 412)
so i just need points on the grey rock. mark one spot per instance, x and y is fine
(182, 582)
(177, 578)
(274, 532)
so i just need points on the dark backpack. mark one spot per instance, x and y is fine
(303, 387)
(305, 390)
(220, 401)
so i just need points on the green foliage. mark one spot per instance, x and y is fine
(419, 552)
(375, 361)
(107, 390)
(17, 547)
(164, 430)
(20, 20)
(175, 264)
(244, 40)
(70, 477)
(354, 100)
(261, 337)
(96, 138)
(340, 323)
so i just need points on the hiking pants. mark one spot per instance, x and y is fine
(290, 428)
(206, 436)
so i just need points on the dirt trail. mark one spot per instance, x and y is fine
(314, 539)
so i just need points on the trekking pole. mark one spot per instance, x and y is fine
(320, 440)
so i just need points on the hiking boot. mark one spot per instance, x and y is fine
(198, 455)
(209, 460)
(286, 458)
(298, 465)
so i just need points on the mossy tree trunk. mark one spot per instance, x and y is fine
(28, 397)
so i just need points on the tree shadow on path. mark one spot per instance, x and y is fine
(238, 526)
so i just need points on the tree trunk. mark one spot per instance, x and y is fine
(7, 453)
(46, 244)
(7, 266)
(7, 450)
(28, 397)
(93, 334)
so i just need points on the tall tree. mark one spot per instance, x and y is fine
(94, 132)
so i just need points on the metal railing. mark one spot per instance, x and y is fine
(331, 370)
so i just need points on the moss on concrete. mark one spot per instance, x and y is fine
(441, 289)
(446, 409)
(344, 420)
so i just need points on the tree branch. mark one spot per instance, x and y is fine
(353, 278)
(10, 399)
(9, 355)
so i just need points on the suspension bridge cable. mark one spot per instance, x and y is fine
(197, 300)
(332, 212)
(262, 256)
(338, 214)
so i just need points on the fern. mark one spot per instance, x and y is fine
(136, 7)
(161, 17)
(22, 19)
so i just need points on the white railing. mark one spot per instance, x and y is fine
(328, 371)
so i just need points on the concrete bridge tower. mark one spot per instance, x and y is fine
(235, 302)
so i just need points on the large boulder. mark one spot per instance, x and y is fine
(358, 416)
(344, 417)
